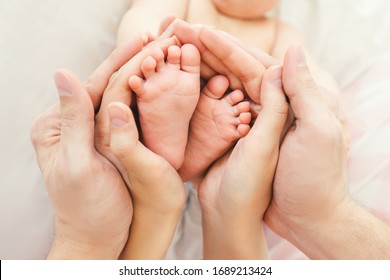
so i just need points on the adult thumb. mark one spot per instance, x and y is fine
(76, 112)
(274, 108)
(307, 98)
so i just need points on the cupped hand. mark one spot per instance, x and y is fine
(156, 188)
(91, 203)
(310, 180)
(118, 90)
(224, 54)
(237, 189)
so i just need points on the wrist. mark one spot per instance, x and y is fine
(151, 233)
(227, 237)
(350, 232)
(65, 249)
(311, 233)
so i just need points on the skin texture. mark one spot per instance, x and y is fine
(223, 59)
(148, 245)
(156, 189)
(91, 202)
(78, 178)
(310, 206)
(218, 122)
(236, 191)
(166, 100)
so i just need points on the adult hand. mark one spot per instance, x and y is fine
(156, 189)
(220, 54)
(90, 200)
(118, 90)
(310, 180)
(237, 189)
(310, 206)
(150, 236)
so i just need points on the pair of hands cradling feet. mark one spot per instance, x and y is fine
(236, 190)
(155, 187)
(92, 207)
(80, 159)
(219, 192)
(234, 193)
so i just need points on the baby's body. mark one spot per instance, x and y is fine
(264, 33)
(245, 20)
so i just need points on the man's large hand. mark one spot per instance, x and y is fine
(91, 203)
(310, 180)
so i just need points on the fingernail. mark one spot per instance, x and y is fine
(275, 77)
(118, 117)
(63, 84)
(300, 56)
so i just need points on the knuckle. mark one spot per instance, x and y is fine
(249, 76)
(73, 167)
(41, 126)
(327, 131)
(89, 82)
(280, 108)
(91, 86)
(307, 84)
(68, 121)
(120, 149)
(35, 136)
(310, 84)
(113, 77)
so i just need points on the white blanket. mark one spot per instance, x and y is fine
(348, 38)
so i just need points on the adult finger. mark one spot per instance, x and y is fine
(134, 159)
(259, 55)
(308, 99)
(189, 34)
(272, 117)
(118, 90)
(165, 24)
(45, 134)
(260, 148)
(98, 80)
(186, 34)
(76, 112)
(238, 61)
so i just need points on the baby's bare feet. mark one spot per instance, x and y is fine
(166, 100)
(218, 122)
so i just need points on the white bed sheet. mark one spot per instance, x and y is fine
(348, 38)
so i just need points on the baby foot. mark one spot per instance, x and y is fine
(166, 100)
(218, 122)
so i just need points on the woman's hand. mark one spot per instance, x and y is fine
(237, 189)
(156, 189)
(221, 53)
